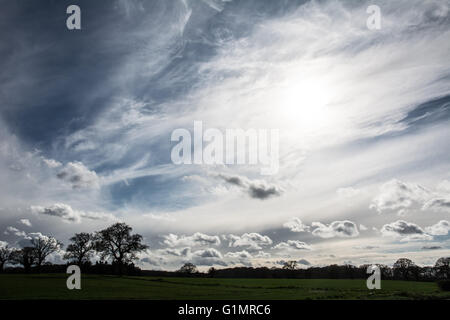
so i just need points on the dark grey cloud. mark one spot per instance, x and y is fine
(304, 262)
(404, 230)
(256, 189)
(66, 212)
(431, 247)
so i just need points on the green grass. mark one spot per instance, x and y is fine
(53, 286)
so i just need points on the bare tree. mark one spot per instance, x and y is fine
(5, 256)
(44, 246)
(404, 266)
(80, 250)
(25, 257)
(290, 265)
(117, 242)
(442, 267)
(188, 268)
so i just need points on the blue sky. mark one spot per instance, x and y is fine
(363, 115)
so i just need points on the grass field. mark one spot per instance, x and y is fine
(53, 286)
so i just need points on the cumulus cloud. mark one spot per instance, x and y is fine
(16, 232)
(441, 228)
(296, 225)
(251, 241)
(208, 257)
(66, 213)
(239, 254)
(3, 244)
(405, 231)
(293, 244)
(239, 257)
(25, 222)
(78, 175)
(341, 229)
(197, 239)
(256, 189)
(399, 196)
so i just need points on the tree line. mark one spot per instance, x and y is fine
(117, 244)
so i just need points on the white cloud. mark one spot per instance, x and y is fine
(399, 196)
(208, 257)
(25, 222)
(197, 239)
(296, 225)
(293, 244)
(15, 231)
(239, 254)
(335, 229)
(251, 241)
(441, 228)
(78, 175)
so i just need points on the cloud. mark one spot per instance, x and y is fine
(293, 244)
(185, 252)
(239, 257)
(441, 228)
(208, 257)
(262, 255)
(25, 222)
(363, 227)
(17, 232)
(437, 203)
(304, 262)
(257, 189)
(296, 225)
(78, 176)
(340, 229)
(251, 241)
(66, 213)
(197, 239)
(51, 163)
(431, 247)
(406, 231)
(3, 244)
(399, 196)
(368, 247)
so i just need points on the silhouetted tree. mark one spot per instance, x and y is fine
(290, 265)
(43, 247)
(212, 271)
(442, 267)
(80, 250)
(117, 242)
(403, 267)
(5, 256)
(188, 268)
(25, 257)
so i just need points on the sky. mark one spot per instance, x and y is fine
(362, 115)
